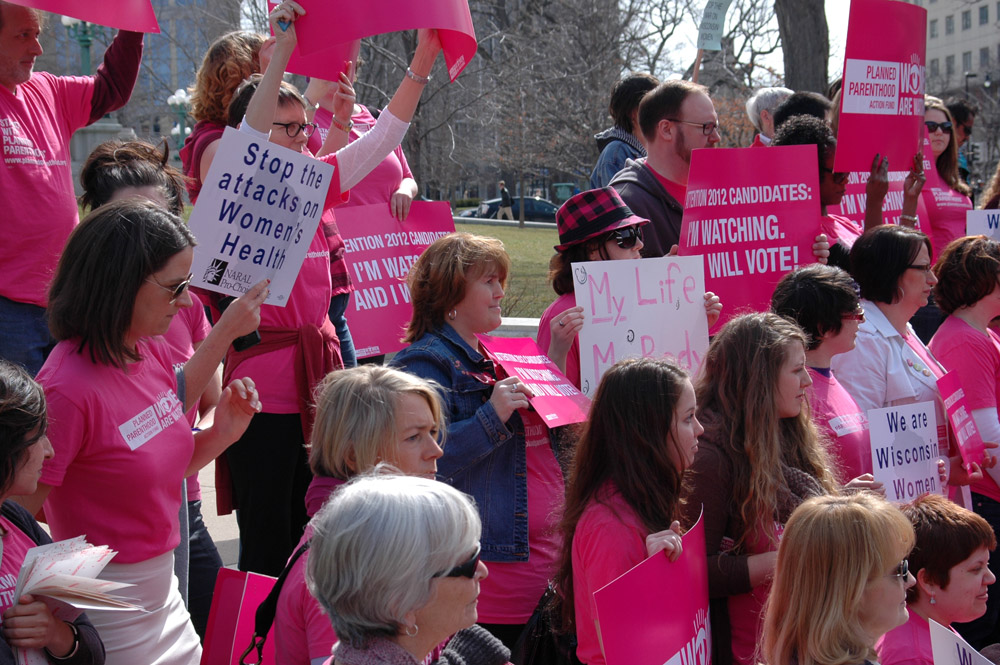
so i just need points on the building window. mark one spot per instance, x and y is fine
(966, 19)
(949, 25)
(949, 66)
(935, 68)
(984, 15)
(984, 57)
(967, 61)
(934, 28)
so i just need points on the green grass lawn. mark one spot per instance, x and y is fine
(528, 290)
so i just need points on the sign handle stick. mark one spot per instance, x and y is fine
(697, 66)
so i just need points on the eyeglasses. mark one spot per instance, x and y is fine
(465, 569)
(293, 128)
(923, 267)
(934, 126)
(627, 237)
(902, 570)
(706, 127)
(856, 315)
(966, 129)
(175, 291)
(839, 177)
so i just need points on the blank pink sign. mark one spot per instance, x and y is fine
(134, 15)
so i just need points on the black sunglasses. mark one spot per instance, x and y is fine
(627, 237)
(465, 569)
(933, 126)
(293, 128)
(839, 177)
(902, 570)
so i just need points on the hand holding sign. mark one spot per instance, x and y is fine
(668, 541)
(508, 396)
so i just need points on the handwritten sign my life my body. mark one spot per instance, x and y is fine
(640, 308)
(904, 443)
(257, 213)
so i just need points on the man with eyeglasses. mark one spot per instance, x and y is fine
(38, 114)
(964, 114)
(675, 118)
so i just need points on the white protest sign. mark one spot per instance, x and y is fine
(904, 442)
(713, 21)
(950, 649)
(256, 215)
(640, 308)
(983, 223)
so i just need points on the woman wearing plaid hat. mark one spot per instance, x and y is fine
(595, 225)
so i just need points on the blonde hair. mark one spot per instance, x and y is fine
(356, 416)
(832, 548)
(230, 59)
(438, 278)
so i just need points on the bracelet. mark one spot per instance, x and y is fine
(76, 643)
(909, 218)
(341, 126)
(417, 78)
(309, 105)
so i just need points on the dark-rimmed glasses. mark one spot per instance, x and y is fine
(922, 267)
(627, 237)
(839, 177)
(293, 128)
(175, 291)
(706, 127)
(934, 126)
(464, 569)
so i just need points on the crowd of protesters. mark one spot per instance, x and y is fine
(423, 512)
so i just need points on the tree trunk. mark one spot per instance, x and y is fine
(805, 43)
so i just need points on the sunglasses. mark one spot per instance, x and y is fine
(465, 569)
(934, 126)
(902, 570)
(856, 315)
(175, 291)
(839, 177)
(293, 128)
(627, 237)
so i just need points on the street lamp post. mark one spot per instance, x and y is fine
(83, 33)
(969, 75)
(179, 103)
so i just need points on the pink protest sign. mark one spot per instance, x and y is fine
(754, 215)
(327, 23)
(326, 64)
(883, 89)
(380, 253)
(557, 401)
(855, 198)
(134, 15)
(657, 613)
(970, 443)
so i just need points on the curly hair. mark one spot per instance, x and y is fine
(807, 130)
(117, 164)
(230, 59)
(967, 272)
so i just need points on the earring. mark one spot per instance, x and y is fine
(452, 314)
(933, 600)
(416, 630)
(902, 293)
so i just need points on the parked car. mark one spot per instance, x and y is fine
(535, 210)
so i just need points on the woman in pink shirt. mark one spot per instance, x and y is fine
(625, 486)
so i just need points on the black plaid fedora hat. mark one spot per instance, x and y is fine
(592, 213)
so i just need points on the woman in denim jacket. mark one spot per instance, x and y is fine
(496, 448)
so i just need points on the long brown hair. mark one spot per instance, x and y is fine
(737, 405)
(625, 442)
(947, 161)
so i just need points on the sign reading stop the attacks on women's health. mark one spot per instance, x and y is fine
(883, 85)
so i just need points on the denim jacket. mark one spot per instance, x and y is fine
(483, 456)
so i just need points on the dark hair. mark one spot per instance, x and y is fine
(107, 259)
(961, 109)
(807, 130)
(947, 162)
(664, 101)
(967, 271)
(23, 419)
(947, 535)
(287, 95)
(815, 296)
(834, 88)
(116, 164)
(625, 442)
(802, 103)
(625, 97)
(881, 256)
(561, 264)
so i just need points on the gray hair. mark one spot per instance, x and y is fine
(377, 545)
(765, 99)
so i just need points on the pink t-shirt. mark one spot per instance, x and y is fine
(676, 190)
(15, 546)
(932, 365)
(841, 229)
(976, 358)
(609, 540)
(36, 181)
(189, 327)
(121, 444)
(945, 208)
(511, 591)
(561, 304)
(909, 644)
(302, 630)
(838, 416)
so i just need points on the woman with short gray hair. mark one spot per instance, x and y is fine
(394, 562)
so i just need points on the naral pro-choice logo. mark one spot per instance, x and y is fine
(215, 270)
